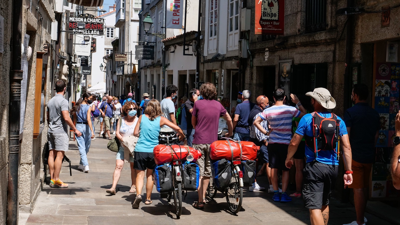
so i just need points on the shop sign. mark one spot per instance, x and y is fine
(86, 70)
(120, 57)
(174, 14)
(84, 60)
(86, 24)
(269, 17)
(144, 52)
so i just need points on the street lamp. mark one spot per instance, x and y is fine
(147, 22)
(101, 67)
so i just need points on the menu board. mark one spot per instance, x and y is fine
(387, 80)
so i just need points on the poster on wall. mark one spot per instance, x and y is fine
(394, 88)
(382, 88)
(391, 51)
(394, 71)
(174, 13)
(383, 71)
(378, 189)
(383, 136)
(269, 17)
(382, 104)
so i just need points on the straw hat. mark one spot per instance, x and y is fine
(145, 95)
(323, 96)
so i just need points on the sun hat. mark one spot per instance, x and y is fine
(130, 95)
(145, 95)
(323, 96)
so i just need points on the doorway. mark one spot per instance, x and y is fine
(182, 85)
(234, 87)
(265, 81)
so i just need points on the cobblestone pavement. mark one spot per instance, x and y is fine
(86, 202)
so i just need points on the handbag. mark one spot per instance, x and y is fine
(113, 144)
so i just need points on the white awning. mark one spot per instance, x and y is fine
(99, 88)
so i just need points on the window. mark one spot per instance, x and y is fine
(213, 17)
(233, 15)
(110, 32)
(315, 15)
(109, 51)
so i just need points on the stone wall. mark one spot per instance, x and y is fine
(5, 60)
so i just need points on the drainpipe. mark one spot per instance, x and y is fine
(198, 47)
(14, 112)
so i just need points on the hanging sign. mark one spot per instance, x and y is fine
(269, 17)
(86, 70)
(174, 12)
(86, 24)
(144, 52)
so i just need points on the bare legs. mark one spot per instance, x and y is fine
(360, 202)
(269, 172)
(139, 182)
(55, 163)
(133, 177)
(319, 216)
(274, 179)
(299, 163)
(119, 164)
(203, 188)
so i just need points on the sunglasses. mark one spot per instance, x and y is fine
(130, 109)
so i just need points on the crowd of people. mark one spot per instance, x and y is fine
(290, 132)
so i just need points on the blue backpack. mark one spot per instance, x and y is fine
(96, 112)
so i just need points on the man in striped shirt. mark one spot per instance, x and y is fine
(280, 118)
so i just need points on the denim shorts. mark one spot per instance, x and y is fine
(120, 154)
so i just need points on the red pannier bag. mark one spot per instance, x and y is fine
(165, 154)
(221, 150)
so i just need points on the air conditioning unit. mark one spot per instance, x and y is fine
(245, 19)
(243, 48)
(147, 2)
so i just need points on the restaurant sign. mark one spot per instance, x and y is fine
(270, 17)
(86, 24)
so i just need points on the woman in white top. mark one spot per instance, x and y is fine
(125, 128)
(117, 112)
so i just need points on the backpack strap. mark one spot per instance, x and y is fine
(315, 133)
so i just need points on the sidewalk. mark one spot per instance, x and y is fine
(86, 202)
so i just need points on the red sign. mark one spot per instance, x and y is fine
(270, 17)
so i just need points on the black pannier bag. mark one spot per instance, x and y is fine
(163, 178)
(249, 172)
(191, 176)
(222, 173)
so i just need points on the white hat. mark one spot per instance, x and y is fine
(323, 96)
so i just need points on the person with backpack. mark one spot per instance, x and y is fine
(188, 105)
(323, 131)
(279, 117)
(144, 102)
(129, 99)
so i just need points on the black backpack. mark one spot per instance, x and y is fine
(325, 133)
(146, 101)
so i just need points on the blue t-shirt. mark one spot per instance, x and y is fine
(128, 100)
(148, 136)
(243, 110)
(364, 123)
(110, 109)
(305, 129)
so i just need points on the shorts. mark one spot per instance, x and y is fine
(101, 119)
(143, 161)
(263, 154)
(361, 174)
(277, 154)
(58, 142)
(319, 181)
(301, 151)
(107, 121)
(120, 154)
(204, 161)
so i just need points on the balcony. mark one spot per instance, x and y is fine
(120, 16)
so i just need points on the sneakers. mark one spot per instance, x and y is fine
(101, 133)
(114, 133)
(58, 183)
(51, 184)
(276, 197)
(86, 169)
(136, 202)
(81, 167)
(355, 222)
(255, 187)
(285, 197)
(295, 195)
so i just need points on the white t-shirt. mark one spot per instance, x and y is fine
(117, 111)
(167, 107)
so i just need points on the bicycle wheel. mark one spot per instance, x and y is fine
(234, 195)
(178, 199)
(211, 191)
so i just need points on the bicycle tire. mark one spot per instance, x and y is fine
(234, 192)
(178, 200)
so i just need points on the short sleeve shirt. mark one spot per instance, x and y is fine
(280, 119)
(364, 123)
(243, 110)
(208, 113)
(188, 106)
(55, 106)
(117, 110)
(167, 107)
(305, 129)
(109, 110)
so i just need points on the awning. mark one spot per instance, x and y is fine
(99, 88)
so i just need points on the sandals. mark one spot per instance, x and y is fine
(136, 202)
(111, 191)
(58, 183)
(132, 190)
(148, 202)
(198, 205)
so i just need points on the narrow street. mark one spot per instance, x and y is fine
(86, 202)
